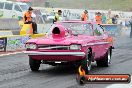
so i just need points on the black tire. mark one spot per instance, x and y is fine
(86, 63)
(105, 60)
(34, 64)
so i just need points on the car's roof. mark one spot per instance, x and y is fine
(74, 21)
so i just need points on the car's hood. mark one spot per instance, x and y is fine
(64, 40)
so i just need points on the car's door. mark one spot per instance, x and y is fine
(100, 44)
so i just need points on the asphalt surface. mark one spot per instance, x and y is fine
(15, 71)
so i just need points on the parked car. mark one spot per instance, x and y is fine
(71, 42)
(43, 12)
(9, 9)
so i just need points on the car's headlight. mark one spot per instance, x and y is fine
(75, 47)
(31, 46)
(27, 46)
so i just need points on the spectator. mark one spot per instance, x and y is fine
(103, 18)
(114, 19)
(27, 19)
(58, 16)
(84, 16)
(109, 15)
(98, 18)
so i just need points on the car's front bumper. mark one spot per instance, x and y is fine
(54, 53)
(56, 56)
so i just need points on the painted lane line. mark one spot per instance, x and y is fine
(1, 55)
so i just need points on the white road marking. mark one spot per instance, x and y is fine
(121, 85)
(1, 55)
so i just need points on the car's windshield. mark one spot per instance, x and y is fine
(78, 28)
(24, 7)
(74, 28)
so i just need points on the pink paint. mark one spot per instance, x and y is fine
(98, 44)
(62, 31)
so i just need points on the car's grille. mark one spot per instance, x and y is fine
(53, 47)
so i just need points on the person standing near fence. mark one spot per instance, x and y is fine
(98, 18)
(109, 17)
(58, 16)
(84, 16)
(27, 19)
(103, 18)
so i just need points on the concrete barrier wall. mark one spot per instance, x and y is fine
(9, 23)
(5, 33)
(9, 26)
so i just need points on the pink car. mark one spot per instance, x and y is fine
(71, 42)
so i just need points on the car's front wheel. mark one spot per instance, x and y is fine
(106, 60)
(34, 64)
(86, 63)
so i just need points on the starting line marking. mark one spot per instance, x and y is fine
(1, 55)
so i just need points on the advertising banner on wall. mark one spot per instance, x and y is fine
(16, 43)
(3, 44)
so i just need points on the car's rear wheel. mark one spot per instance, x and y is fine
(105, 60)
(34, 64)
(86, 63)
